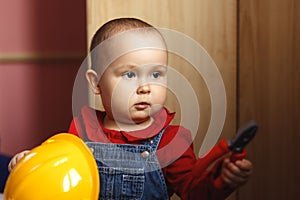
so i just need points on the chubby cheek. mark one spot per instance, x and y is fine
(121, 96)
(158, 95)
(123, 92)
(115, 89)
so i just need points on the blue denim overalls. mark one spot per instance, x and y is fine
(129, 171)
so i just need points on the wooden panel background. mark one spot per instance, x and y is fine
(269, 91)
(210, 22)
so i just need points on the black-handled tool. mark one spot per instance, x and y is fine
(237, 146)
(244, 135)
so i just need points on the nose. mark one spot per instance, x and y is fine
(143, 89)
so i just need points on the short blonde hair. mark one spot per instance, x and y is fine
(116, 26)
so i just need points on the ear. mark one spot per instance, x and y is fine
(93, 80)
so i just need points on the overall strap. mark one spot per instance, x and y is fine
(155, 140)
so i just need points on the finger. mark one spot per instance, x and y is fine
(16, 159)
(242, 168)
(226, 161)
(233, 177)
(244, 165)
(233, 173)
(22, 155)
(232, 180)
(234, 169)
(12, 163)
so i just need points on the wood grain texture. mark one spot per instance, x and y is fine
(211, 23)
(269, 91)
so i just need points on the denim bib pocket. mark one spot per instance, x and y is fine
(121, 183)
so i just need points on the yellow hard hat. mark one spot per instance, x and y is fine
(60, 168)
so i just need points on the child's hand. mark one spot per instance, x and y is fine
(237, 173)
(13, 162)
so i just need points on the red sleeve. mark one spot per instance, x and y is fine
(181, 176)
(72, 128)
(203, 185)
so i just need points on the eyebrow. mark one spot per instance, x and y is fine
(122, 67)
(131, 66)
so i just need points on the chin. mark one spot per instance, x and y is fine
(141, 119)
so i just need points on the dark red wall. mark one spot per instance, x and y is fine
(42, 44)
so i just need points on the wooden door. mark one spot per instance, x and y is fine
(269, 91)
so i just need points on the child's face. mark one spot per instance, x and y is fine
(133, 87)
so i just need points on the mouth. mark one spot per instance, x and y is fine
(142, 105)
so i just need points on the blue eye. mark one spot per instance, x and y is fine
(155, 74)
(129, 75)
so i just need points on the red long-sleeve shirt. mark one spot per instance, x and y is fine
(175, 152)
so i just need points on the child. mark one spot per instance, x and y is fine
(139, 154)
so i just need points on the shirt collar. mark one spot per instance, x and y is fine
(96, 131)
